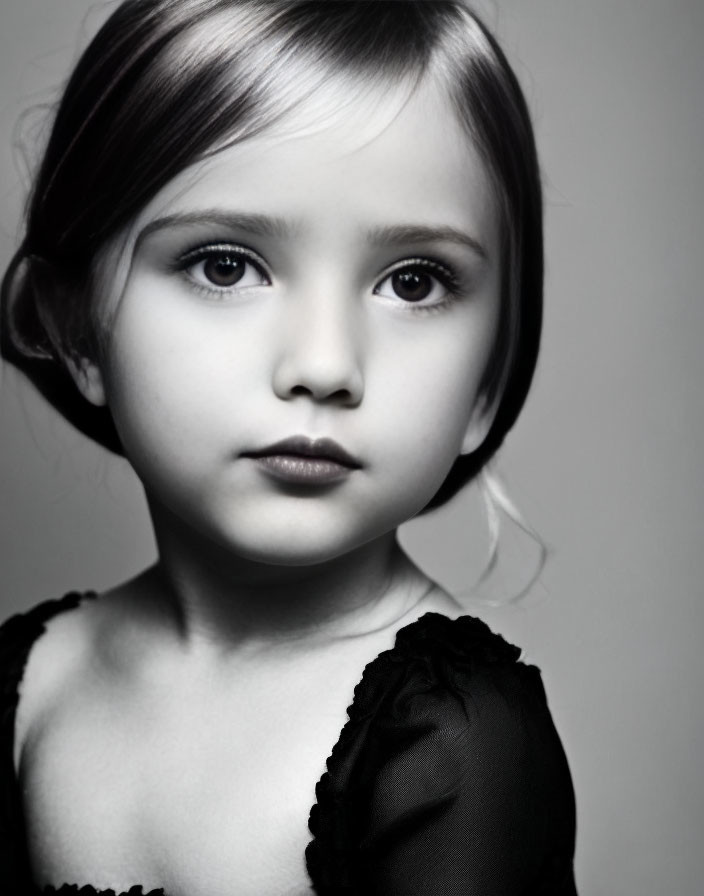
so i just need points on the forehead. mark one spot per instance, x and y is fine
(349, 159)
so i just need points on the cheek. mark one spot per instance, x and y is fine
(432, 385)
(159, 389)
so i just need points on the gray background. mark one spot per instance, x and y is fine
(606, 462)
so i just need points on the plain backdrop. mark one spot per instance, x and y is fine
(606, 461)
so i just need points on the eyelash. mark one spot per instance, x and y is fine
(206, 253)
(439, 271)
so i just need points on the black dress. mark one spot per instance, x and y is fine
(448, 779)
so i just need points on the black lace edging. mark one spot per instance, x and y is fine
(75, 890)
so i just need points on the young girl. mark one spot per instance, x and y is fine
(286, 257)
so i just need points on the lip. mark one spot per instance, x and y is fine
(299, 459)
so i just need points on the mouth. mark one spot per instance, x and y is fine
(306, 461)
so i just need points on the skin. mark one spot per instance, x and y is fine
(267, 599)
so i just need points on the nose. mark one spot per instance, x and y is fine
(320, 352)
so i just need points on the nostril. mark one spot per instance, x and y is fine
(342, 396)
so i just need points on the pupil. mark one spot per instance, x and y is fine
(411, 285)
(224, 270)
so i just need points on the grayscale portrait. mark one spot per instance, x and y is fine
(350, 434)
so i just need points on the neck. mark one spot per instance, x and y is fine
(230, 602)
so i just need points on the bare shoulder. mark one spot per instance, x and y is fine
(59, 650)
(74, 641)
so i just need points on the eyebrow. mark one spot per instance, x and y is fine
(258, 225)
(280, 228)
(409, 233)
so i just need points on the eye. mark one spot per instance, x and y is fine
(419, 280)
(223, 267)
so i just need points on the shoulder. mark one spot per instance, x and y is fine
(464, 692)
(59, 637)
(450, 750)
(18, 635)
(451, 667)
(478, 711)
(31, 664)
(58, 650)
(472, 702)
(20, 632)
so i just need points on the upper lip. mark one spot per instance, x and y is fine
(302, 446)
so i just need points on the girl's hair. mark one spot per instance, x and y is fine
(166, 83)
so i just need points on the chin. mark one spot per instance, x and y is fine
(299, 545)
(294, 554)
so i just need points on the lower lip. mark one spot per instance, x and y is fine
(304, 470)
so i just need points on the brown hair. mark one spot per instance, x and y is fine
(167, 82)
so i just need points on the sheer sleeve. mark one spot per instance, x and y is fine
(449, 777)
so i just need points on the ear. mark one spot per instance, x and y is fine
(88, 378)
(480, 421)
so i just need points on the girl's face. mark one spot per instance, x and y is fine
(341, 284)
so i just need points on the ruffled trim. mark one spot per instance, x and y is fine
(75, 890)
(17, 636)
(434, 651)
